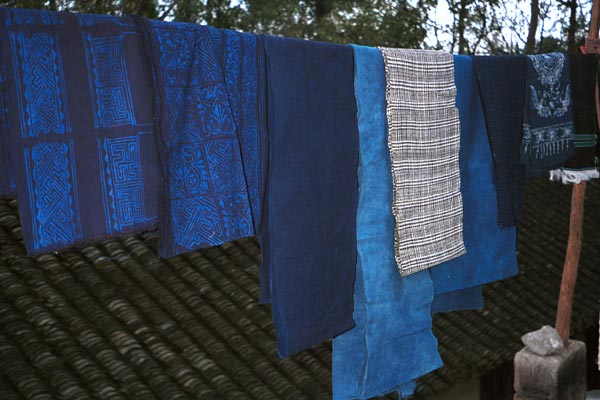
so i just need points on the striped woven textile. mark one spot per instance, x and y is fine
(424, 143)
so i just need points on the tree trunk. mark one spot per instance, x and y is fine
(572, 46)
(461, 26)
(533, 24)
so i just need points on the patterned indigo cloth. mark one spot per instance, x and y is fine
(502, 88)
(582, 164)
(392, 343)
(80, 126)
(241, 55)
(205, 194)
(311, 200)
(491, 250)
(8, 187)
(548, 114)
(424, 142)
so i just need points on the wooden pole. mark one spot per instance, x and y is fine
(569, 276)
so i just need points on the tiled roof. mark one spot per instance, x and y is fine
(113, 321)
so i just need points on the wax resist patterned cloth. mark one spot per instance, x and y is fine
(205, 197)
(80, 127)
(583, 69)
(548, 114)
(392, 343)
(241, 57)
(424, 143)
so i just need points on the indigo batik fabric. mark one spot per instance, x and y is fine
(548, 114)
(581, 166)
(241, 55)
(491, 250)
(8, 186)
(424, 142)
(312, 191)
(392, 343)
(205, 195)
(80, 126)
(502, 88)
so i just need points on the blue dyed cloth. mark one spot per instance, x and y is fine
(311, 199)
(241, 56)
(491, 250)
(205, 194)
(80, 126)
(8, 186)
(548, 129)
(502, 88)
(464, 299)
(392, 343)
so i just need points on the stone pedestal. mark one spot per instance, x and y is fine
(555, 377)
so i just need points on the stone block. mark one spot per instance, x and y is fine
(554, 377)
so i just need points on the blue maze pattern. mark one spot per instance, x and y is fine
(206, 188)
(241, 70)
(40, 84)
(109, 84)
(52, 187)
(89, 20)
(23, 16)
(122, 184)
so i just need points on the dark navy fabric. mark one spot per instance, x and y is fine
(241, 55)
(8, 187)
(392, 343)
(205, 197)
(502, 88)
(312, 190)
(491, 250)
(80, 126)
(548, 114)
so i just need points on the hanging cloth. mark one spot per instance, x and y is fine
(582, 165)
(502, 88)
(241, 56)
(491, 250)
(548, 114)
(312, 190)
(80, 127)
(8, 186)
(392, 343)
(205, 197)
(424, 142)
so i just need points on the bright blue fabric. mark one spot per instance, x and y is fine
(392, 343)
(80, 127)
(491, 250)
(311, 198)
(205, 194)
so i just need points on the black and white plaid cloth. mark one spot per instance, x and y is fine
(424, 142)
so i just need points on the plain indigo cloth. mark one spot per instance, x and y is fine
(464, 299)
(241, 56)
(392, 343)
(205, 197)
(502, 88)
(80, 126)
(491, 250)
(312, 190)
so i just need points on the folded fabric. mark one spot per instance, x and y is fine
(424, 143)
(205, 194)
(502, 88)
(241, 56)
(464, 299)
(548, 114)
(392, 343)
(80, 126)
(582, 164)
(7, 177)
(491, 250)
(311, 197)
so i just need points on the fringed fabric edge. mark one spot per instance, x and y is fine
(568, 176)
